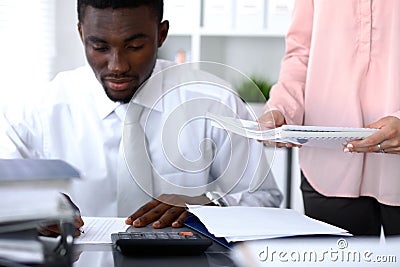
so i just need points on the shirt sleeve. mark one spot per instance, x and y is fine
(287, 95)
(241, 168)
(396, 114)
(20, 133)
(257, 186)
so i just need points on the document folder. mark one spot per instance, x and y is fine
(313, 136)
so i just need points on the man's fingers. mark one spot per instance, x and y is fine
(169, 217)
(151, 215)
(77, 232)
(49, 231)
(281, 145)
(45, 232)
(168, 210)
(141, 211)
(79, 222)
(181, 219)
(53, 228)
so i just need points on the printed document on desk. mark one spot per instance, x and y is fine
(238, 223)
(315, 136)
(98, 230)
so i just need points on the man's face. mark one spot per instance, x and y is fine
(121, 47)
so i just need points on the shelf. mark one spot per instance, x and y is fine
(211, 33)
(248, 35)
(207, 32)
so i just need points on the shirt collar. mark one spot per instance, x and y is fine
(149, 94)
(96, 94)
(105, 106)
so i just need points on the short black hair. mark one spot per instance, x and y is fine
(157, 6)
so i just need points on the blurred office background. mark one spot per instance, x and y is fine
(39, 38)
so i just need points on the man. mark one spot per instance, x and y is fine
(81, 116)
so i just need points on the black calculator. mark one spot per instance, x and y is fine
(160, 243)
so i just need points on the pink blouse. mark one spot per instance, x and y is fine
(342, 68)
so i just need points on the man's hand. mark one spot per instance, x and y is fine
(386, 140)
(166, 210)
(271, 120)
(54, 230)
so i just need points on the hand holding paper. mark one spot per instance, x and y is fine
(313, 136)
(273, 119)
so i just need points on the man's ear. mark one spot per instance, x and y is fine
(162, 32)
(80, 31)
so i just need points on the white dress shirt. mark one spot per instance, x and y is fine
(77, 122)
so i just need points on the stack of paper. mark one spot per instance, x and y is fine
(23, 247)
(30, 191)
(315, 136)
(239, 223)
(30, 197)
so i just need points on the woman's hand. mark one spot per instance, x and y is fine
(386, 140)
(270, 120)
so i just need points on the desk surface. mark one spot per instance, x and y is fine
(106, 256)
(330, 250)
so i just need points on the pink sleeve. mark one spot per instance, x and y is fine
(288, 94)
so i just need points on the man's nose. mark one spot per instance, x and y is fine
(117, 63)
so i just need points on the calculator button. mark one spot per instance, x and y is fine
(150, 236)
(162, 236)
(163, 243)
(175, 236)
(124, 236)
(186, 233)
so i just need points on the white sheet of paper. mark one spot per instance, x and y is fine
(98, 230)
(238, 223)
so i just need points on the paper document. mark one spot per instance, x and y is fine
(36, 173)
(24, 208)
(21, 251)
(239, 223)
(21, 247)
(98, 230)
(316, 136)
(30, 191)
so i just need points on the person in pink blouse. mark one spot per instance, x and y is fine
(342, 68)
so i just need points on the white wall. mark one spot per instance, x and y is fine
(259, 55)
(69, 49)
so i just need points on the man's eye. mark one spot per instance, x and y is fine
(136, 47)
(99, 48)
